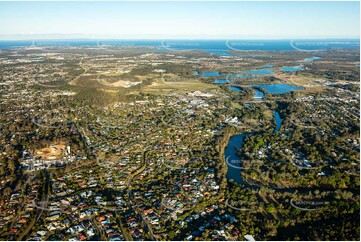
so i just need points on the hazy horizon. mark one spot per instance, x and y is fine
(159, 38)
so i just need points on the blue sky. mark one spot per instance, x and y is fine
(255, 20)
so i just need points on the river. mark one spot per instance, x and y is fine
(232, 159)
(278, 122)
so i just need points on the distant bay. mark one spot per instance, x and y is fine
(218, 47)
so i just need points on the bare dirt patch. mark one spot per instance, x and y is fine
(54, 151)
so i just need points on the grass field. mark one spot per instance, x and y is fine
(236, 105)
(162, 86)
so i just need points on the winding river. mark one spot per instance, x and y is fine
(232, 159)
(235, 143)
(278, 122)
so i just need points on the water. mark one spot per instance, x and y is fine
(264, 71)
(195, 73)
(236, 89)
(270, 88)
(277, 88)
(219, 47)
(211, 74)
(220, 81)
(235, 142)
(292, 68)
(6, 44)
(240, 76)
(252, 73)
(219, 52)
(268, 66)
(278, 122)
(311, 59)
(258, 95)
(230, 153)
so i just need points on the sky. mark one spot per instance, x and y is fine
(201, 20)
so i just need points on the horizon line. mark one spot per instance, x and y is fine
(187, 39)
